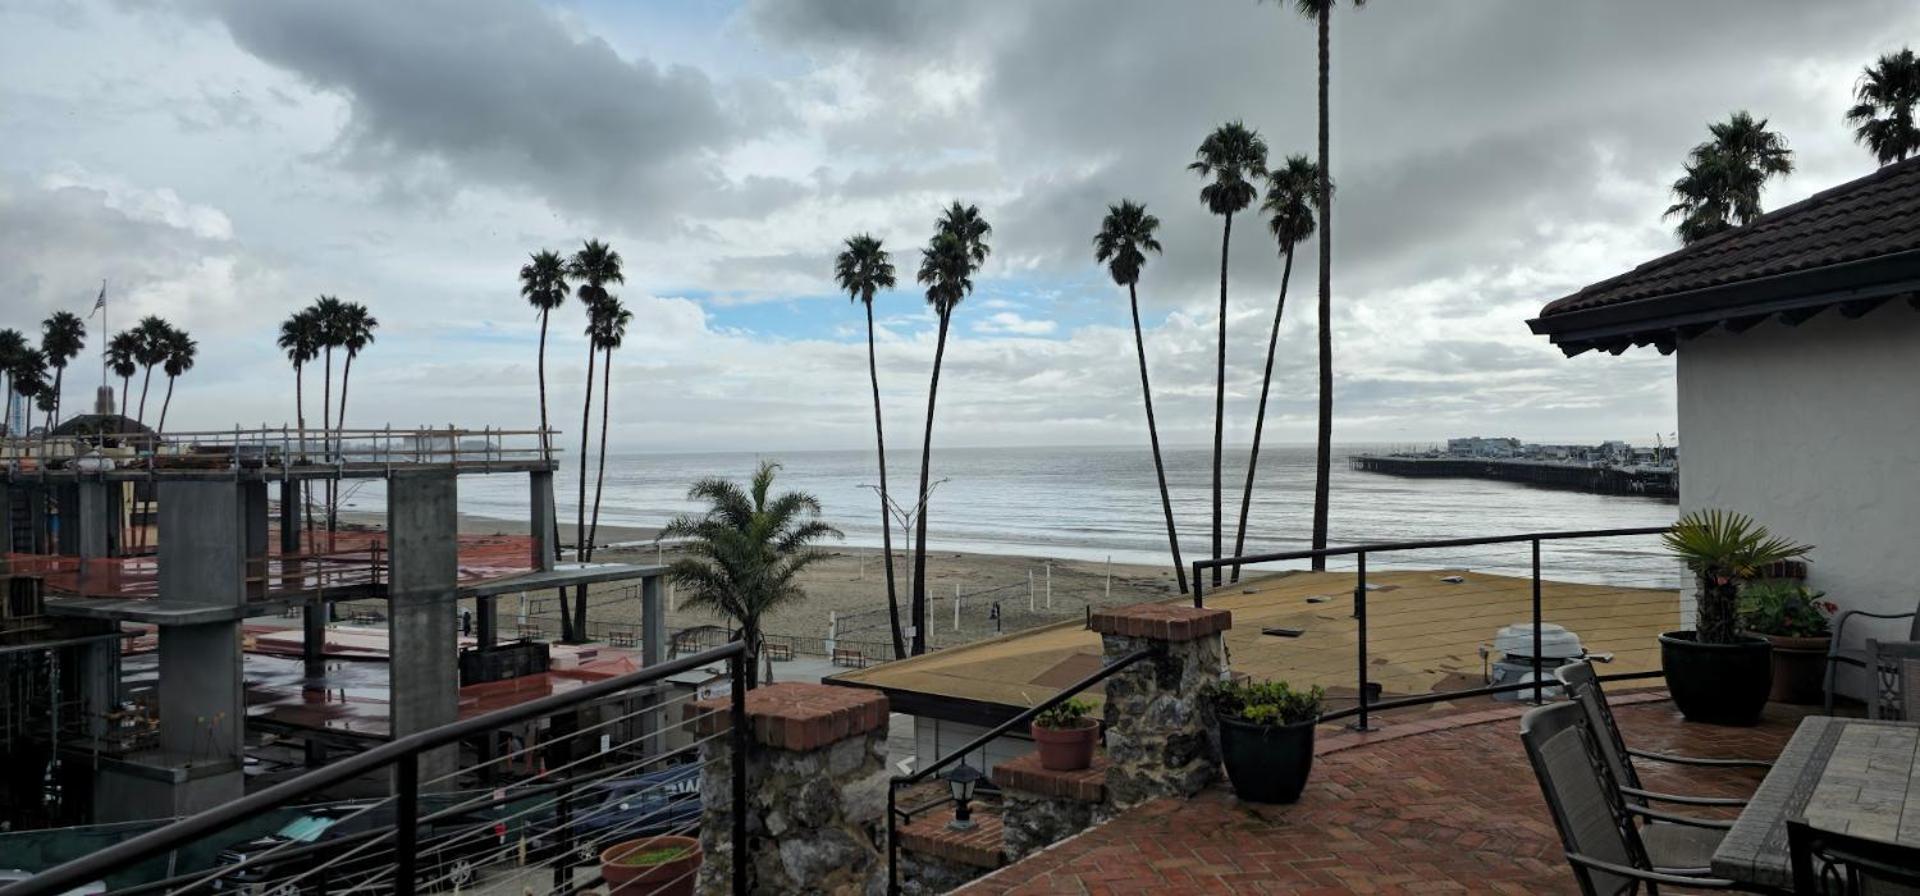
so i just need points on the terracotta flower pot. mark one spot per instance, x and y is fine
(1799, 669)
(1067, 749)
(673, 877)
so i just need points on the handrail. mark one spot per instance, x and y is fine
(92, 866)
(920, 774)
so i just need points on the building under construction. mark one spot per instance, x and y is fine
(138, 567)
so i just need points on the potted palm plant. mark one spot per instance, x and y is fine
(663, 864)
(1266, 737)
(1065, 736)
(1794, 620)
(1714, 672)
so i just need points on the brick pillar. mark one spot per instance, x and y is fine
(1041, 807)
(816, 790)
(1157, 737)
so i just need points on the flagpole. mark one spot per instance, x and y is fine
(105, 329)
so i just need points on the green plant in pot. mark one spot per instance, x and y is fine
(1266, 737)
(1065, 735)
(664, 864)
(1714, 672)
(1795, 620)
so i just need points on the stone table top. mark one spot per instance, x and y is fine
(1851, 776)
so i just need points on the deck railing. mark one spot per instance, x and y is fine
(290, 446)
(1367, 701)
(549, 806)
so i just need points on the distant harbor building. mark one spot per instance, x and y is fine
(1798, 343)
(1609, 468)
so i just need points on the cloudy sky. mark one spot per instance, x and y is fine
(221, 162)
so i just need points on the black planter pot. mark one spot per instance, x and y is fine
(1267, 763)
(1720, 684)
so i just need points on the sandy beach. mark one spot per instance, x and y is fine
(851, 586)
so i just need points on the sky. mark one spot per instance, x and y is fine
(222, 162)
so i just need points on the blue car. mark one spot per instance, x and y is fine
(620, 809)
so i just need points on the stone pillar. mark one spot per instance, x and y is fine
(816, 790)
(1157, 737)
(1041, 807)
(422, 524)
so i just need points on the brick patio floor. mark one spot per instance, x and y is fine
(1450, 809)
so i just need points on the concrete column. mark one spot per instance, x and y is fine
(313, 616)
(67, 540)
(422, 525)
(653, 651)
(816, 790)
(204, 540)
(101, 664)
(96, 519)
(1157, 734)
(541, 522)
(254, 506)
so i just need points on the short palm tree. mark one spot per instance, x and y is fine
(1126, 236)
(1233, 156)
(957, 250)
(1289, 205)
(543, 283)
(181, 350)
(300, 339)
(12, 346)
(154, 334)
(356, 333)
(863, 269)
(62, 336)
(1882, 114)
(607, 329)
(593, 269)
(747, 552)
(1321, 12)
(123, 358)
(1720, 186)
(27, 378)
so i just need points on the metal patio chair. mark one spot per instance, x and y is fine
(1583, 686)
(1836, 655)
(1828, 863)
(1609, 852)
(1894, 673)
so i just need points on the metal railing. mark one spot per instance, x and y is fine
(292, 446)
(1365, 702)
(897, 816)
(466, 835)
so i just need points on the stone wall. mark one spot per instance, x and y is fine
(1041, 807)
(816, 791)
(1158, 737)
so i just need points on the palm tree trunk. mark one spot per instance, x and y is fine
(600, 478)
(546, 444)
(582, 550)
(920, 521)
(750, 633)
(1220, 390)
(1260, 416)
(59, 376)
(124, 389)
(346, 374)
(1153, 436)
(886, 528)
(300, 419)
(145, 382)
(1324, 439)
(326, 438)
(164, 405)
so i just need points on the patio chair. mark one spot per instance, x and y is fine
(1829, 863)
(1610, 854)
(1895, 676)
(1837, 655)
(1583, 685)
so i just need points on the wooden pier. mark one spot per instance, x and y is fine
(1652, 482)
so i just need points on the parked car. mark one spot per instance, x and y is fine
(608, 812)
(451, 851)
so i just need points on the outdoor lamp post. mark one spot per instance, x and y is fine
(961, 781)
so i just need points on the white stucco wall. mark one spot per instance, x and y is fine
(1815, 431)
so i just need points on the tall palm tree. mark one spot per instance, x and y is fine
(1882, 115)
(181, 350)
(863, 269)
(27, 378)
(543, 283)
(62, 336)
(1719, 188)
(300, 339)
(153, 333)
(12, 346)
(356, 333)
(747, 552)
(957, 250)
(1233, 156)
(607, 329)
(592, 268)
(1126, 235)
(1289, 204)
(123, 358)
(1321, 11)
(327, 314)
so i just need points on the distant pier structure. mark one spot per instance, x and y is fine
(1610, 469)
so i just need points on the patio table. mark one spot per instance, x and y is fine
(1851, 776)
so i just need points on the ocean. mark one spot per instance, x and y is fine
(1096, 503)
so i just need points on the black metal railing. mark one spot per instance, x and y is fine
(1365, 689)
(897, 816)
(576, 792)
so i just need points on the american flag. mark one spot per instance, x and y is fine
(100, 304)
